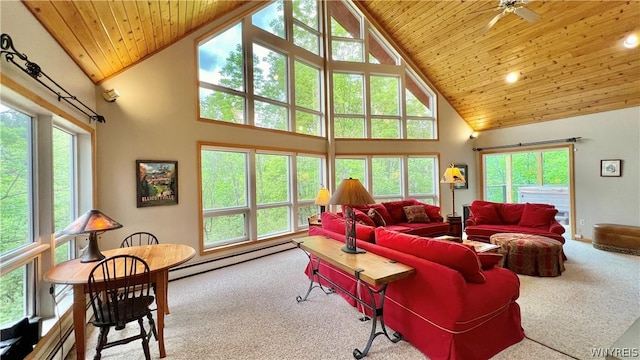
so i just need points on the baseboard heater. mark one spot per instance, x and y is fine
(222, 262)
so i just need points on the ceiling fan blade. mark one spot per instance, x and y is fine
(526, 14)
(494, 21)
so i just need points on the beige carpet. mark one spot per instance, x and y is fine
(249, 311)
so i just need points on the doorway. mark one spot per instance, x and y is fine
(535, 175)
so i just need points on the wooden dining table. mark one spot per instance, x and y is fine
(160, 258)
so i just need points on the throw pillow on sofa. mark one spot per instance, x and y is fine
(415, 214)
(376, 218)
(510, 213)
(336, 223)
(433, 212)
(485, 214)
(537, 216)
(451, 254)
(363, 218)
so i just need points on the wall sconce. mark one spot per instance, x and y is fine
(111, 95)
(474, 135)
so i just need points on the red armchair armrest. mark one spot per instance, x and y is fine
(556, 228)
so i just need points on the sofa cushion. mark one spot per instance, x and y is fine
(379, 208)
(396, 209)
(430, 229)
(447, 253)
(484, 232)
(415, 214)
(336, 223)
(376, 218)
(363, 218)
(510, 213)
(537, 216)
(433, 212)
(485, 214)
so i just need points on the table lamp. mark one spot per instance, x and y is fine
(322, 199)
(91, 222)
(350, 192)
(452, 176)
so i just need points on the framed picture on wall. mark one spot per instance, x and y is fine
(157, 183)
(464, 170)
(611, 168)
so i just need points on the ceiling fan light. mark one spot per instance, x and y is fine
(630, 41)
(512, 77)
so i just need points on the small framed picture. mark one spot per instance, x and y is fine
(611, 168)
(464, 170)
(157, 183)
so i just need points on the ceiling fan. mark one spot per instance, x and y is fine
(511, 6)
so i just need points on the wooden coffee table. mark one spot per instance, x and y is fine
(373, 270)
(482, 246)
(478, 245)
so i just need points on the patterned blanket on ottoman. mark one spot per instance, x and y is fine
(529, 254)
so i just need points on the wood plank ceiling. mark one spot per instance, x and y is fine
(570, 61)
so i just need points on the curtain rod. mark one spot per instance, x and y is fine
(32, 69)
(568, 140)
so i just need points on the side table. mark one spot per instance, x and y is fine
(314, 220)
(455, 226)
(376, 272)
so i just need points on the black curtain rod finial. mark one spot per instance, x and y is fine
(32, 69)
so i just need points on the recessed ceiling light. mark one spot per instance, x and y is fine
(512, 77)
(631, 41)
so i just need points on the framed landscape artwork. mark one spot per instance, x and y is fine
(611, 168)
(157, 183)
(464, 170)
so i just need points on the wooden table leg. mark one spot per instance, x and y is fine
(79, 320)
(166, 292)
(161, 301)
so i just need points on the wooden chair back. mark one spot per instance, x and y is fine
(139, 238)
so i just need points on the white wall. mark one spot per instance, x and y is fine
(607, 135)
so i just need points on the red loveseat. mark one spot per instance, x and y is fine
(394, 218)
(450, 308)
(488, 218)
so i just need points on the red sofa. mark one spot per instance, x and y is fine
(488, 218)
(393, 218)
(450, 308)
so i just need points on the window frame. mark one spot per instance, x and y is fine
(39, 255)
(251, 210)
(253, 35)
(367, 182)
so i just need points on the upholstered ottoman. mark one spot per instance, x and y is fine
(615, 237)
(529, 254)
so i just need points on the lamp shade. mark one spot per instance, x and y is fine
(91, 221)
(453, 176)
(351, 192)
(323, 197)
